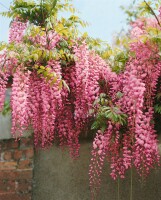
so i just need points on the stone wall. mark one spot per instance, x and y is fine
(16, 169)
(58, 177)
(52, 175)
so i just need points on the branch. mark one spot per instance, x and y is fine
(153, 13)
(44, 23)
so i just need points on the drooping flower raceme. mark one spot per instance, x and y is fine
(3, 79)
(134, 144)
(20, 102)
(3, 83)
(17, 30)
(44, 102)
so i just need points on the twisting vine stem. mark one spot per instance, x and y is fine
(44, 24)
(131, 185)
(152, 11)
(118, 189)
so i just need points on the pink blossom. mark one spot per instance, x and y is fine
(17, 30)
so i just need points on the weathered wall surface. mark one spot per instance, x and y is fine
(5, 126)
(16, 169)
(5, 122)
(57, 177)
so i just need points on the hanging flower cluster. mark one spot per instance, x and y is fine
(83, 81)
(47, 41)
(19, 102)
(52, 99)
(44, 103)
(17, 30)
(3, 84)
(4, 75)
(59, 88)
(133, 144)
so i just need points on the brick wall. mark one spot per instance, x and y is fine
(16, 169)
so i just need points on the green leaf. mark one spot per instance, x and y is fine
(103, 128)
(40, 71)
(42, 67)
(119, 95)
(157, 108)
(95, 125)
(6, 109)
(54, 80)
(60, 85)
(35, 57)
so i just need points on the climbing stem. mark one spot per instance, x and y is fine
(131, 184)
(118, 189)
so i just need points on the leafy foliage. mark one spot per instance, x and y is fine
(157, 108)
(6, 109)
(107, 112)
(42, 19)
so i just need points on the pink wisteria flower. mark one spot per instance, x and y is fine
(17, 30)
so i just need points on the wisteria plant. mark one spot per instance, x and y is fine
(65, 83)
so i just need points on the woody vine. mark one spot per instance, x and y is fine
(65, 83)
